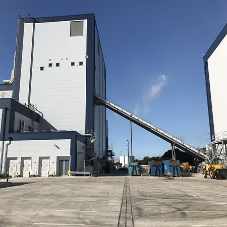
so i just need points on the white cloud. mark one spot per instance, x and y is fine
(136, 109)
(155, 88)
(150, 93)
(147, 108)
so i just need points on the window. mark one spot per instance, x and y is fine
(80, 63)
(72, 63)
(57, 64)
(42, 68)
(50, 64)
(76, 28)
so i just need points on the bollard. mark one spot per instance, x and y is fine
(29, 173)
(7, 175)
(48, 173)
(17, 173)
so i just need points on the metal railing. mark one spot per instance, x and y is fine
(220, 136)
(90, 133)
(4, 95)
(149, 127)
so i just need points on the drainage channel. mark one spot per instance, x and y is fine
(126, 215)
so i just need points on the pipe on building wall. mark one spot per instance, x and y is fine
(31, 64)
(5, 156)
(3, 136)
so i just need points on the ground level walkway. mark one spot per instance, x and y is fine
(113, 201)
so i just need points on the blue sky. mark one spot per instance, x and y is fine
(153, 55)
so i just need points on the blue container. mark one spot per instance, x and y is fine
(153, 170)
(176, 172)
(171, 168)
(133, 169)
(130, 168)
(159, 170)
(155, 167)
(168, 171)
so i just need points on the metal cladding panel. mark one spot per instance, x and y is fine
(26, 62)
(17, 108)
(40, 149)
(215, 55)
(209, 104)
(40, 144)
(100, 88)
(90, 73)
(6, 87)
(25, 31)
(18, 59)
(58, 90)
(5, 106)
(217, 69)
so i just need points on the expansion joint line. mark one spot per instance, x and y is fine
(126, 214)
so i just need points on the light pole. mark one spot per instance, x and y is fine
(128, 153)
(131, 136)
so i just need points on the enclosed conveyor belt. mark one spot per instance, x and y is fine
(149, 127)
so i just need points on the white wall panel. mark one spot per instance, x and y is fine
(53, 44)
(217, 66)
(0, 120)
(26, 61)
(39, 148)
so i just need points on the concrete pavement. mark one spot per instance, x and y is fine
(113, 201)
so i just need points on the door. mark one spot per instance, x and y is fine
(12, 167)
(44, 167)
(26, 165)
(63, 167)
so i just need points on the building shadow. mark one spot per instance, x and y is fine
(12, 184)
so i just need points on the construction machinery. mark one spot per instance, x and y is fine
(214, 168)
(185, 167)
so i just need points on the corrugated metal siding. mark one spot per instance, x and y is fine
(100, 88)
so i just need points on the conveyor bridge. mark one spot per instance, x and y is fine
(149, 127)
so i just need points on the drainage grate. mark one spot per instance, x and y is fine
(126, 215)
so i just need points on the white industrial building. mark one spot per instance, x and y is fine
(125, 159)
(215, 66)
(49, 120)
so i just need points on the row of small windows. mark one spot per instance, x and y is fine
(58, 65)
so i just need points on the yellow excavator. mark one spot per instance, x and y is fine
(215, 169)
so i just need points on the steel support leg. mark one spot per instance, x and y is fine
(173, 152)
(224, 153)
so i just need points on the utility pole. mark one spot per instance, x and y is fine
(131, 136)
